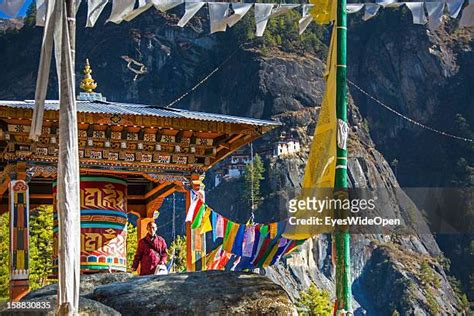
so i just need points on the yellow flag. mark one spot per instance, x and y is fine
(206, 221)
(320, 170)
(324, 11)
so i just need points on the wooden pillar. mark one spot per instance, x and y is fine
(19, 237)
(189, 242)
(192, 238)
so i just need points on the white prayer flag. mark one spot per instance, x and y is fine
(120, 9)
(94, 9)
(191, 8)
(240, 10)
(418, 12)
(40, 12)
(11, 7)
(282, 9)
(467, 18)
(217, 16)
(306, 18)
(354, 7)
(435, 13)
(385, 3)
(262, 13)
(371, 10)
(454, 7)
(143, 5)
(165, 5)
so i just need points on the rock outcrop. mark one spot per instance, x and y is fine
(197, 293)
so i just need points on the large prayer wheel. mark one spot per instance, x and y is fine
(103, 224)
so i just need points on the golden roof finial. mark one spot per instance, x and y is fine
(88, 84)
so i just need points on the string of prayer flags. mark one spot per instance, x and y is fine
(226, 14)
(242, 245)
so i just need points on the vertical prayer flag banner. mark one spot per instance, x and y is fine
(324, 11)
(318, 181)
(19, 226)
(103, 224)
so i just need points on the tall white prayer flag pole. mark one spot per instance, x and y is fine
(68, 188)
(60, 28)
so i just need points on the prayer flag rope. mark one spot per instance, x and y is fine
(223, 15)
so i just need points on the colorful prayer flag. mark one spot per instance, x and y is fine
(206, 221)
(198, 218)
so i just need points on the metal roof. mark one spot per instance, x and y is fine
(108, 107)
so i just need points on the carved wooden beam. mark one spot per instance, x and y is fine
(156, 189)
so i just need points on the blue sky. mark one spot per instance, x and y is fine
(22, 11)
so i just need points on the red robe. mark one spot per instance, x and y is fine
(150, 253)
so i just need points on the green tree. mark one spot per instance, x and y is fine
(177, 250)
(41, 246)
(4, 258)
(282, 33)
(253, 175)
(132, 244)
(41, 249)
(315, 302)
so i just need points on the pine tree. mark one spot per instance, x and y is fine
(132, 244)
(253, 175)
(178, 248)
(41, 246)
(315, 302)
(4, 258)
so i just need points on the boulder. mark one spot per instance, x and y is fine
(88, 283)
(208, 292)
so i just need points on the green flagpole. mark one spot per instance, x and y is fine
(342, 237)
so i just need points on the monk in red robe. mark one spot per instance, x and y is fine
(151, 251)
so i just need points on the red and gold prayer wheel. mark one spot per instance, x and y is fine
(103, 224)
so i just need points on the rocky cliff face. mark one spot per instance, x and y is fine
(427, 76)
(151, 60)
